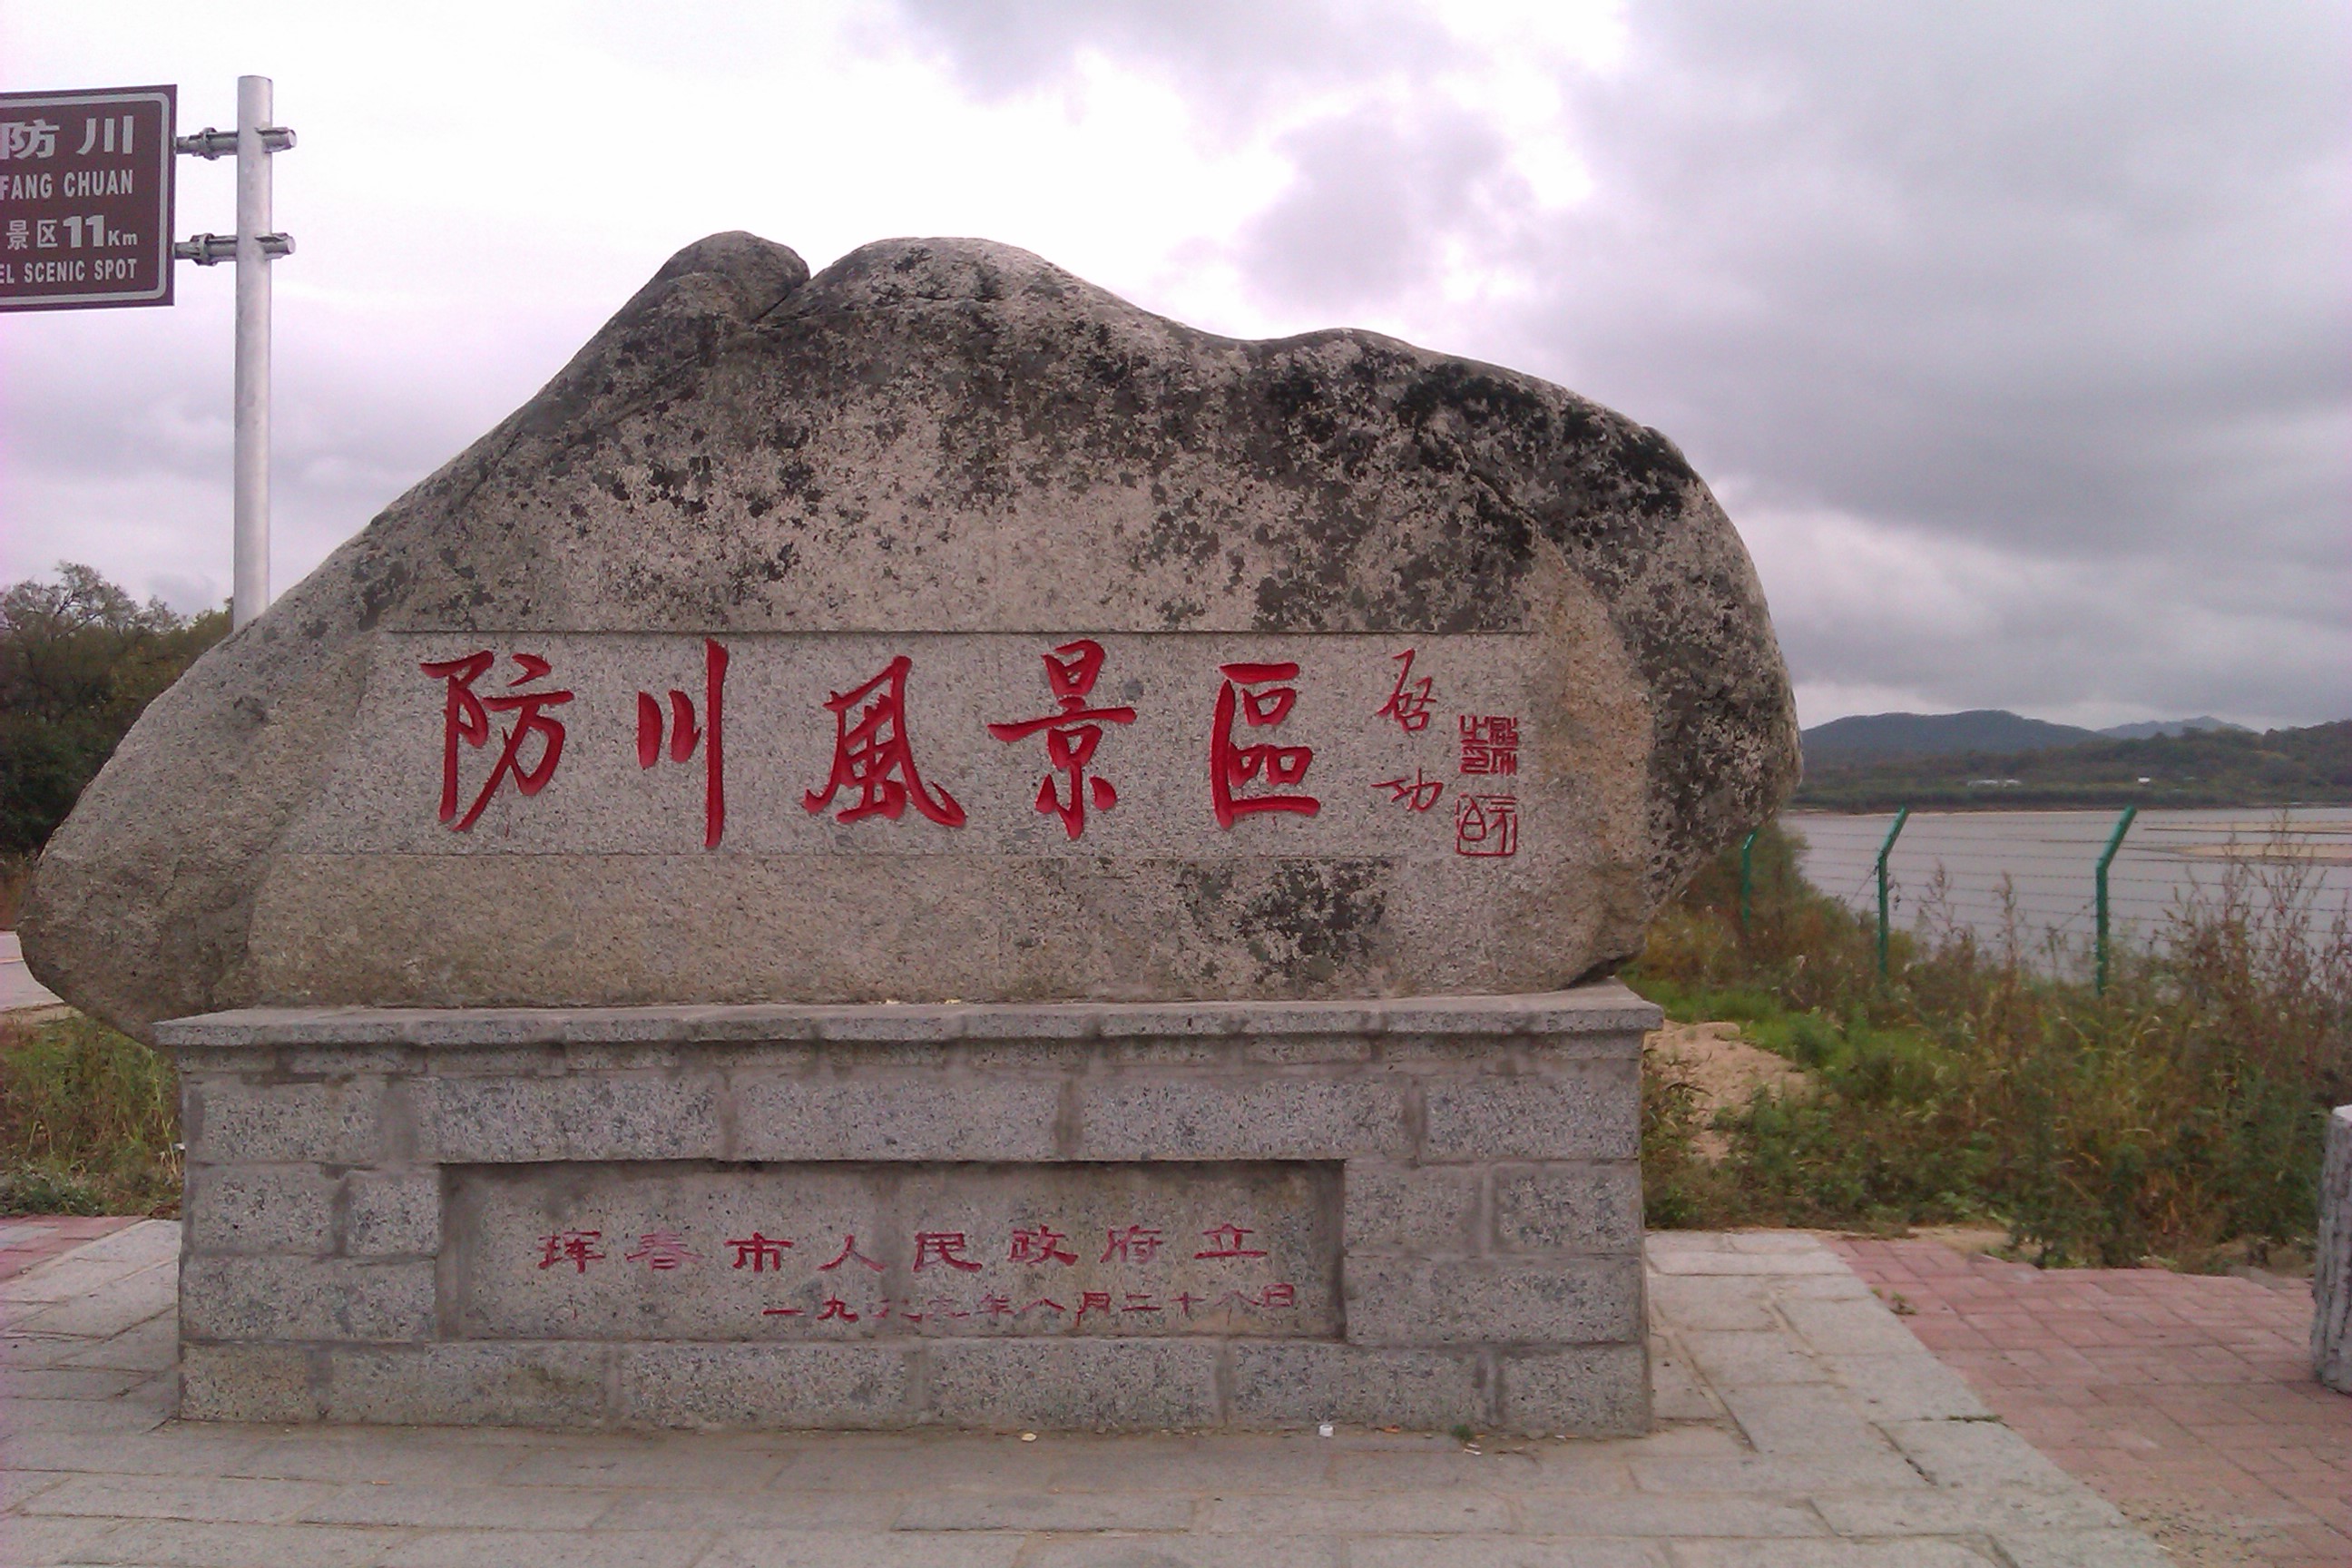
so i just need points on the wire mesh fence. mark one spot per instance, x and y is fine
(2030, 877)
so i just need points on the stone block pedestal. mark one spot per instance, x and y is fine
(1416, 1211)
(2331, 1275)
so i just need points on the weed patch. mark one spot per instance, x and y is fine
(90, 1123)
(2180, 1115)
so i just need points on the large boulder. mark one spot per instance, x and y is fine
(754, 491)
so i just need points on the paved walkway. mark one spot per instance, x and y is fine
(1801, 1427)
(19, 992)
(2188, 1400)
(26, 1242)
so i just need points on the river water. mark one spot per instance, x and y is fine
(1957, 866)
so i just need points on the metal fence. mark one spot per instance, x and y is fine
(2065, 887)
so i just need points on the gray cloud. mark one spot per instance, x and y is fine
(1236, 55)
(2012, 334)
(134, 453)
(2046, 302)
(1370, 194)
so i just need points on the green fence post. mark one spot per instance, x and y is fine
(1886, 849)
(2106, 858)
(1747, 879)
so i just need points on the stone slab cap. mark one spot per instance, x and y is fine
(1607, 1008)
(1531, 680)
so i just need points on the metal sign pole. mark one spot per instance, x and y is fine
(251, 554)
(253, 246)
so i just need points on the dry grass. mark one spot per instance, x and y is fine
(1725, 1073)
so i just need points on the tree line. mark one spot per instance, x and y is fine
(2310, 766)
(80, 660)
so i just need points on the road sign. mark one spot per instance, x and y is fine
(86, 198)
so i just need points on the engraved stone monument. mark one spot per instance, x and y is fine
(921, 845)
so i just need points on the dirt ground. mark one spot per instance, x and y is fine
(1725, 1070)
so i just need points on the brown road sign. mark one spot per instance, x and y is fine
(86, 198)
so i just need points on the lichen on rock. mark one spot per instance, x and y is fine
(941, 440)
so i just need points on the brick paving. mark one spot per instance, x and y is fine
(2186, 1400)
(1800, 1426)
(36, 1239)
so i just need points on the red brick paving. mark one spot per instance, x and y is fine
(2186, 1400)
(36, 1239)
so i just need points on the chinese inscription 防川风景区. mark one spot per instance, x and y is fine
(875, 769)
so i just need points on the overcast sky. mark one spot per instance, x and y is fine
(2014, 336)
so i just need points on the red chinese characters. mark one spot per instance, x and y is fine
(1136, 1243)
(759, 1252)
(873, 755)
(1409, 703)
(1490, 744)
(1119, 1287)
(1041, 1244)
(1273, 1298)
(1486, 825)
(466, 716)
(1250, 692)
(1072, 734)
(661, 1250)
(686, 735)
(1226, 1241)
(577, 1247)
(1418, 793)
(946, 1247)
(848, 1254)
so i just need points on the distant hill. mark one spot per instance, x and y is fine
(2156, 727)
(1872, 736)
(2208, 767)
